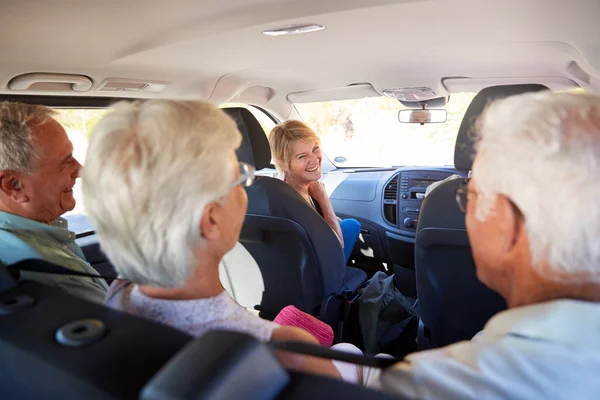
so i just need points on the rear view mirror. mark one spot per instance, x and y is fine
(422, 116)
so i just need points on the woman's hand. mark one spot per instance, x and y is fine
(317, 191)
(301, 362)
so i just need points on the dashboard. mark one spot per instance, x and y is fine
(387, 202)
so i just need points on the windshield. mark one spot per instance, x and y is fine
(366, 132)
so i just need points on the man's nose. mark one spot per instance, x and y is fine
(77, 168)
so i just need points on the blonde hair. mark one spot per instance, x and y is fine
(282, 139)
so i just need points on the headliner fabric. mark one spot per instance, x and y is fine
(464, 152)
(255, 148)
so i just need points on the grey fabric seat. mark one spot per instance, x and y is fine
(453, 304)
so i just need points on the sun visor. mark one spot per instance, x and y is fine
(475, 85)
(357, 91)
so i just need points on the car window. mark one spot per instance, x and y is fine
(79, 124)
(366, 132)
(263, 119)
(266, 122)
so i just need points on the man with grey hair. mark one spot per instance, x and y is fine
(533, 219)
(37, 175)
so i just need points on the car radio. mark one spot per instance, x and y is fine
(411, 192)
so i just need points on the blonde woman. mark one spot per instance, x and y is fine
(296, 149)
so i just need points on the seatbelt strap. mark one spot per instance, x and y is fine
(314, 350)
(43, 267)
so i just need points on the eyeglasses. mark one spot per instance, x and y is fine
(462, 195)
(246, 178)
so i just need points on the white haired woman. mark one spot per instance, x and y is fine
(296, 149)
(165, 190)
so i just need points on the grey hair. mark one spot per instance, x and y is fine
(151, 169)
(17, 122)
(542, 151)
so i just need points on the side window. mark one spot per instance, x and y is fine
(263, 119)
(265, 122)
(79, 124)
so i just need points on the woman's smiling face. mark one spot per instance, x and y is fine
(305, 165)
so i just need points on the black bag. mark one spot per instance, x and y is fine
(388, 320)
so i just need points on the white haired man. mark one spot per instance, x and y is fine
(37, 175)
(533, 220)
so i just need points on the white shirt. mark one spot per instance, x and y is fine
(545, 351)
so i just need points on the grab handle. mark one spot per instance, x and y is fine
(79, 83)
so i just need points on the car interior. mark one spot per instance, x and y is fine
(263, 62)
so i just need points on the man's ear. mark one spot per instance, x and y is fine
(209, 224)
(11, 185)
(510, 223)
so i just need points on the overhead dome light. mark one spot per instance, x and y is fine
(294, 30)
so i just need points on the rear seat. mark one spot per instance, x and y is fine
(101, 353)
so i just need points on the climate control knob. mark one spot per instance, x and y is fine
(404, 196)
(409, 223)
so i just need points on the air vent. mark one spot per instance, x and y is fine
(132, 85)
(390, 201)
(391, 190)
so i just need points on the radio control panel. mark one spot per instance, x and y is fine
(411, 193)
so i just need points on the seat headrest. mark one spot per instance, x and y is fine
(464, 151)
(255, 148)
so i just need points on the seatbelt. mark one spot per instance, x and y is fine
(44, 267)
(316, 350)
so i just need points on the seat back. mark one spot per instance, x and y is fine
(35, 363)
(53, 345)
(299, 256)
(453, 304)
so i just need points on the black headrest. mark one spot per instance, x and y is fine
(255, 148)
(464, 152)
(219, 365)
(48, 339)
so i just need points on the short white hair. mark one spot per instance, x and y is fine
(18, 151)
(542, 151)
(151, 169)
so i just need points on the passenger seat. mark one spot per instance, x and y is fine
(301, 260)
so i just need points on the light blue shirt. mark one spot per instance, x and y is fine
(548, 350)
(22, 238)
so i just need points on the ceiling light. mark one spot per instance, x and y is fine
(294, 30)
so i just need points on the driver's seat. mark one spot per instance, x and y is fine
(300, 257)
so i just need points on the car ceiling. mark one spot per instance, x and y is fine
(215, 50)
